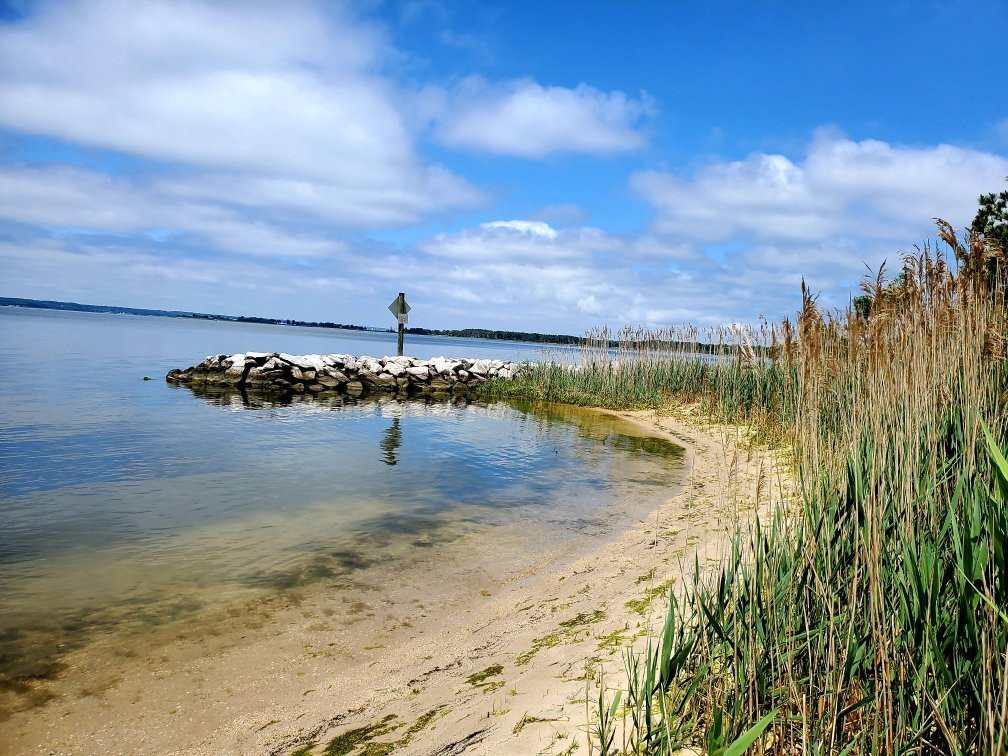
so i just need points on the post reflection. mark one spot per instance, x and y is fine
(391, 442)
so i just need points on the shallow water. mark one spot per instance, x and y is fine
(128, 504)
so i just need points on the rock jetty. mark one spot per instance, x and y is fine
(280, 373)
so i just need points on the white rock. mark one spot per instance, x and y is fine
(420, 372)
(313, 362)
(395, 368)
(444, 366)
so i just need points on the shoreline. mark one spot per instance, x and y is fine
(502, 673)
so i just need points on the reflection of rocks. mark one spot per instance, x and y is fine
(310, 374)
(247, 397)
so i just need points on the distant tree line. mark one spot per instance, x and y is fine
(485, 333)
(285, 321)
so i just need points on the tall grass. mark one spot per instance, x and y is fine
(874, 618)
(732, 374)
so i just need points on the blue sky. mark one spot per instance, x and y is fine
(541, 166)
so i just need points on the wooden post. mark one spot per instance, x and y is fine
(402, 328)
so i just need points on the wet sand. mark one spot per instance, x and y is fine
(440, 658)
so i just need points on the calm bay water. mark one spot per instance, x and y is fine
(126, 501)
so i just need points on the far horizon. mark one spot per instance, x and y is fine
(71, 306)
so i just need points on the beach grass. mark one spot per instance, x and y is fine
(870, 615)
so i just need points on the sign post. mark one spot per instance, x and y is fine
(400, 309)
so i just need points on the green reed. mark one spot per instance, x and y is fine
(728, 373)
(872, 615)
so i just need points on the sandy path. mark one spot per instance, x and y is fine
(506, 673)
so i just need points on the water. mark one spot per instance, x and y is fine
(129, 503)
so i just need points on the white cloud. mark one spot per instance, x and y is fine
(525, 119)
(77, 198)
(276, 103)
(842, 188)
(534, 228)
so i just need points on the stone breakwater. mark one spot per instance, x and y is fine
(280, 373)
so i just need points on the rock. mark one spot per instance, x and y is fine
(444, 366)
(234, 370)
(440, 384)
(259, 376)
(370, 365)
(333, 374)
(304, 361)
(418, 373)
(235, 360)
(385, 380)
(317, 373)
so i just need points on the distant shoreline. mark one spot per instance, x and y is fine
(465, 333)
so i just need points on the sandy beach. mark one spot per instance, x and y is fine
(464, 665)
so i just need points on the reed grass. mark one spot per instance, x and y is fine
(729, 372)
(872, 617)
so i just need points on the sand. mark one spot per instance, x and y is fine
(505, 669)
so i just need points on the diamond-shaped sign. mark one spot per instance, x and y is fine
(396, 310)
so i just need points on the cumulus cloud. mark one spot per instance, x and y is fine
(525, 119)
(867, 189)
(764, 223)
(283, 100)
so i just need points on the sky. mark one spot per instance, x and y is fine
(541, 166)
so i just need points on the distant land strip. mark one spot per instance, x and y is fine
(466, 333)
